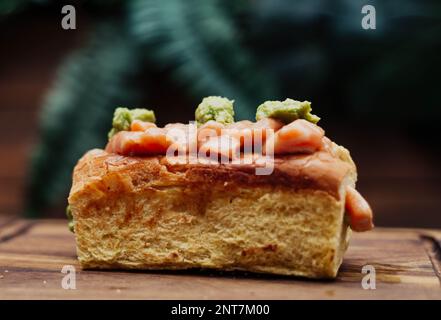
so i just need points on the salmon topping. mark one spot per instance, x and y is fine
(300, 136)
(138, 125)
(253, 133)
(358, 211)
(151, 141)
(182, 137)
(221, 147)
(209, 130)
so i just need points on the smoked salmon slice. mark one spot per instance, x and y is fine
(220, 147)
(300, 136)
(358, 211)
(138, 125)
(151, 141)
(183, 137)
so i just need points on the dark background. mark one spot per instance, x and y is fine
(377, 91)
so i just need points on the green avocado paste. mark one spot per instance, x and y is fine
(215, 108)
(286, 111)
(123, 117)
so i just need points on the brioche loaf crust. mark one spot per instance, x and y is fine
(146, 213)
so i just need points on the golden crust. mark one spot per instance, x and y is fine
(146, 213)
(322, 170)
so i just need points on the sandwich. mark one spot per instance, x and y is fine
(273, 195)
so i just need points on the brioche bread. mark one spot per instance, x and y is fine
(146, 213)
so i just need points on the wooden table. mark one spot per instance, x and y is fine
(33, 253)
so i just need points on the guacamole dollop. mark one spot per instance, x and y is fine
(286, 111)
(70, 223)
(215, 108)
(123, 117)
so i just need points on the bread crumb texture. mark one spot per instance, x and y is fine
(160, 218)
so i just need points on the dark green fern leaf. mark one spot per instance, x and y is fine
(198, 42)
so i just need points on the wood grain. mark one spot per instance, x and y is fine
(32, 254)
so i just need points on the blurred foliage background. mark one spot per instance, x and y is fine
(167, 55)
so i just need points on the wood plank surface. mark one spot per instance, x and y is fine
(33, 253)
